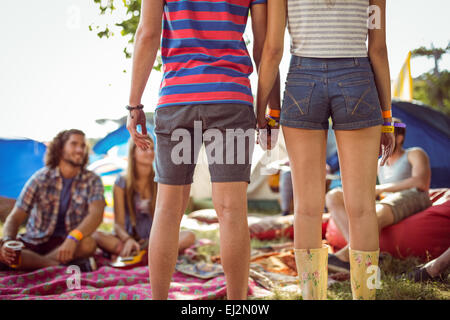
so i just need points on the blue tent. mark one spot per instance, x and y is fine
(118, 138)
(19, 159)
(430, 130)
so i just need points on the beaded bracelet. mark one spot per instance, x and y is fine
(138, 107)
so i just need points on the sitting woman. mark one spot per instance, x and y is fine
(134, 205)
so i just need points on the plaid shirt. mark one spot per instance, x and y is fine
(40, 199)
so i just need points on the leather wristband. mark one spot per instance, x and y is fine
(138, 107)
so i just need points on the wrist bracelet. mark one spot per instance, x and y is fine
(395, 124)
(387, 129)
(76, 234)
(273, 122)
(138, 107)
(387, 114)
(72, 238)
(274, 113)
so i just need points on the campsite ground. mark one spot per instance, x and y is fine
(392, 289)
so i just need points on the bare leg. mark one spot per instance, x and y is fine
(230, 202)
(86, 248)
(32, 261)
(171, 202)
(437, 266)
(187, 239)
(307, 155)
(107, 242)
(358, 152)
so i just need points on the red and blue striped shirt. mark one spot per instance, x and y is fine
(205, 59)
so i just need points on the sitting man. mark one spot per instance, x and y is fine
(404, 181)
(64, 205)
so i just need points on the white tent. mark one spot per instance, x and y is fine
(258, 188)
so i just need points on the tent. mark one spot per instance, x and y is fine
(19, 159)
(430, 130)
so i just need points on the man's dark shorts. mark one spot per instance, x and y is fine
(227, 130)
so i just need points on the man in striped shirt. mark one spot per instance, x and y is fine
(206, 89)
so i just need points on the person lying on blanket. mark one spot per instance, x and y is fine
(64, 205)
(404, 183)
(134, 205)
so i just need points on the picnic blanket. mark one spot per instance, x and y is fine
(192, 280)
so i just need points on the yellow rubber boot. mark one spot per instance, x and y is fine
(312, 268)
(364, 274)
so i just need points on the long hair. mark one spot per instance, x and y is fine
(399, 131)
(130, 186)
(54, 151)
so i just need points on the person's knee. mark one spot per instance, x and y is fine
(87, 247)
(334, 197)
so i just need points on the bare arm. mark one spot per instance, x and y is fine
(269, 78)
(13, 222)
(94, 218)
(148, 36)
(420, 178)
(119, 213)
(379, 56)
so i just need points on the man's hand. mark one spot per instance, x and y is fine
(130, 247)
(7, 255)
(387, 146)
(136, 117)
(66, 251)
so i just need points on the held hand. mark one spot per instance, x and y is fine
(66, 251)
(130, 247)
(7, 255)
(136, 117)
(387, 146)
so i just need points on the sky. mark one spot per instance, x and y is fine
(55, 74)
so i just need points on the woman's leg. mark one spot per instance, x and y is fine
(307, 155)
(358, 153)
(358, 158)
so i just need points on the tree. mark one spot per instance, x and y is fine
(127, 26)
(433, 88)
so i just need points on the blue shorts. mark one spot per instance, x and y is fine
(343, 88)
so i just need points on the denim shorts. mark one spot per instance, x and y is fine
(341, 88)
(226, 129)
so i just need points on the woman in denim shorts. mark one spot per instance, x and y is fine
(331, 74)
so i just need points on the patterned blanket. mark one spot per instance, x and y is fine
(107, 284)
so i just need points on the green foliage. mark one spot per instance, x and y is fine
(127, 27)
(434, 90)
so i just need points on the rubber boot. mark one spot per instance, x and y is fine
(312, 268)
(364, 274)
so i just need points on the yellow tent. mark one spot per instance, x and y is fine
(403, 86)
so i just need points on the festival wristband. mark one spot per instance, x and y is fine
(395, 124)
(387, 114)
(271, 121)
(76, 234)
(275, 113)
(72, 238)
(387, 129)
